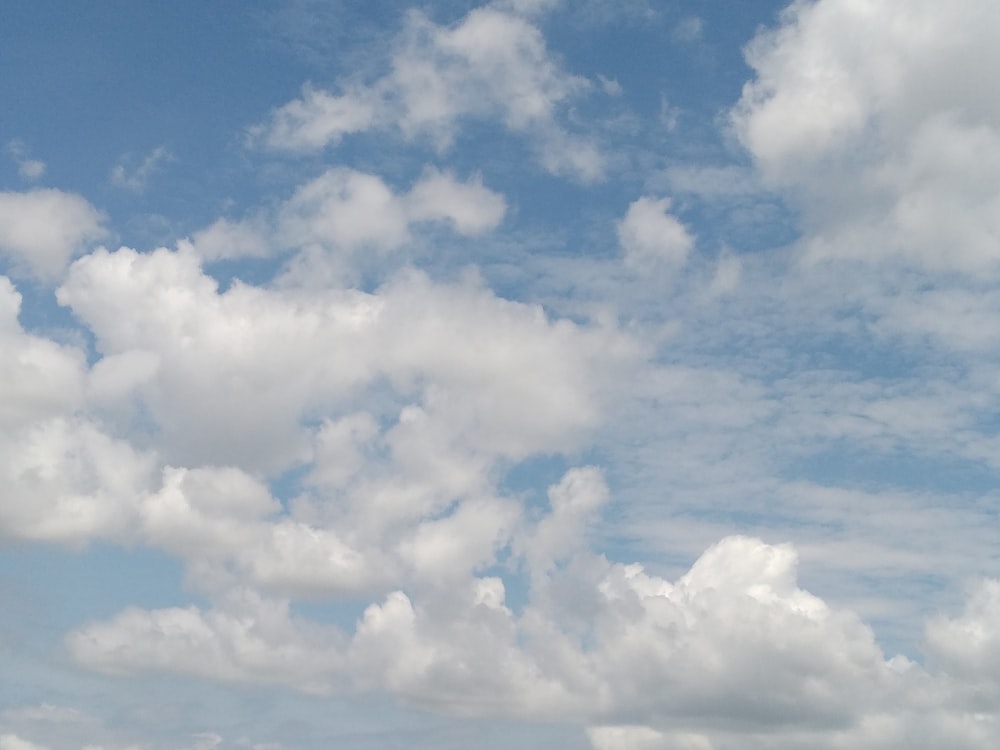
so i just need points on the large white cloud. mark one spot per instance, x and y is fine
(247, 364)
(869, 114)
(733, 643)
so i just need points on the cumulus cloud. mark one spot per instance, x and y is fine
(650, 236)
(41, 230)
(318, 119)
(344, 212)
(493, 64)
(250, 640)
(528, 384)
(27, 168)
(733, 641)
(869, 117)
(967, 647)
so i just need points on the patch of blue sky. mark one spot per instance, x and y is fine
(65, 587)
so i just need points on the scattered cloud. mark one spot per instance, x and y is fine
(128, 175)
(491, 65)
(854, 110)
(29, 169)
(649, 235)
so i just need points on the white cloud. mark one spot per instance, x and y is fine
(574, 504)
(68, 482)
(470, 207)
(868, 116)
(344, 213)
(689, 30)
(650, 652)
(319, 119)
(493, 64)
(137, 177)
(249, 640)
(496, 372)
(225, 239)
(41, 230)
(38, 378)
(967, 647)
(346, 209)
(13, 742)
(650, 236)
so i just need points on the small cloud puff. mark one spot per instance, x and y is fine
(650, 236)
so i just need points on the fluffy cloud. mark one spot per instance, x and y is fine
(250, 640)
(649, 235)
(41, 230)
(732, 654)
(65, 479)
(346, 209)
(318, 119)
(500, 374)
(968, 647)
(491, 65)
(338, 216)
(732, 643)
(869, 116)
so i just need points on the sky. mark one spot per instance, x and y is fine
(592, 374)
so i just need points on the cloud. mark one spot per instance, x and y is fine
(733, 643)
(491, 65)
(13, 742)
(688, 30)
(469, 207)
(318, 119)
(650, 236)
(27, 168)
(251, 640)
(41, 230)
(343, 213)
(967, 647)
(136, 178)
(870, 119)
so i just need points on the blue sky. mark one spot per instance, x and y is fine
(535, 373)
